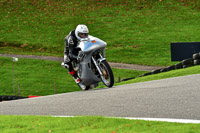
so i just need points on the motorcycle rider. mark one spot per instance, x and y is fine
(71, 51)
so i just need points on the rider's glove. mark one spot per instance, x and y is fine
(80, 56)
(66, 61)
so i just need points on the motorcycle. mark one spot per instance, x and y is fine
(91, 65)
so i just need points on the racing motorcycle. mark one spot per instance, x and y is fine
(91, 65)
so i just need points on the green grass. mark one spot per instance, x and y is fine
(139, 31)
(164, 75)
(39, 77)
(47, 124)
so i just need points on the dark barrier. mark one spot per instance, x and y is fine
(195, 60)
(184, 50)
(8, 98)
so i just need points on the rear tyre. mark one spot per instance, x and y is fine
(83, 87)
(107, 77)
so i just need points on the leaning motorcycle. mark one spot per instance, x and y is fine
(91, 65)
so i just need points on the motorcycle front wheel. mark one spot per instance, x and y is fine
(107, 74)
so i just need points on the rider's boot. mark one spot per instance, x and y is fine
(74, 75)
(76, 78)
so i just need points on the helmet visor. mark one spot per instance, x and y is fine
(83, 35)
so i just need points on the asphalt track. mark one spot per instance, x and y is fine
(176, 98)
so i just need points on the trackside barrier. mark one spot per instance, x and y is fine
(9, 98)
(195, 60)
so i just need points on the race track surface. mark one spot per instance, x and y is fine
(177, 98)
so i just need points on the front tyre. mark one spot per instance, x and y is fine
(107, 74)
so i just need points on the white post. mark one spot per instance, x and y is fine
(13, 79)
(14, 59)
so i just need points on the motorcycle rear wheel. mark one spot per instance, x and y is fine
(107, 77)
(83, 87)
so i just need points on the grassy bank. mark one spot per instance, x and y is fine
(164, 75)
(139, 31)
(39, 77)
(45, 124)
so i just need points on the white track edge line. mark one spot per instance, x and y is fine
(151, 119)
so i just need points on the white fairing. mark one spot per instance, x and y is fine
(88, 47)
(91, 43)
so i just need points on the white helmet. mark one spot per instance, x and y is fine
(81, 31)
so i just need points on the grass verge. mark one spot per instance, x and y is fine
(89, 124)
(139, 31)
(40, 77)
(164, 75)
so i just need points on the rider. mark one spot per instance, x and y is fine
(71, 53)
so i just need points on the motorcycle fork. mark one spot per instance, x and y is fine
(97, 64)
